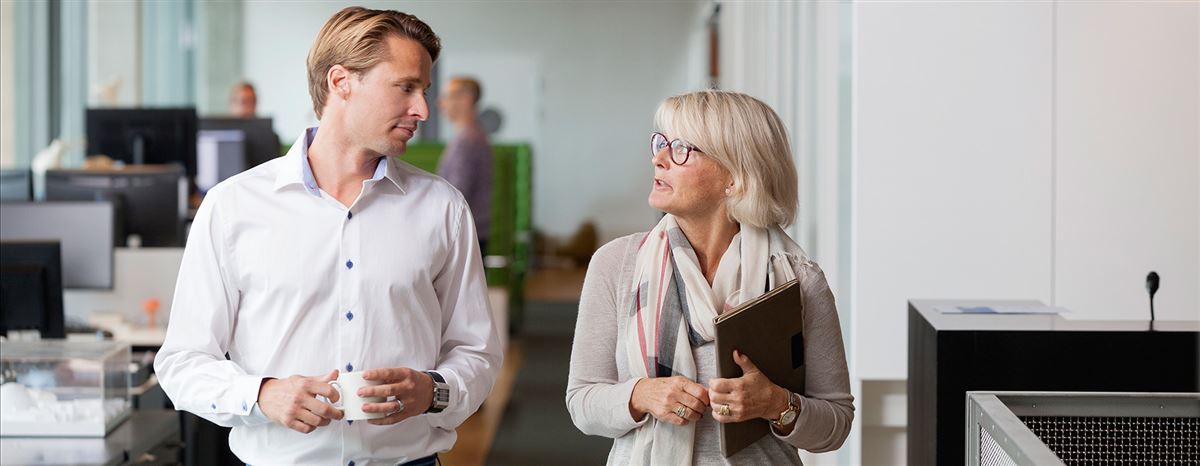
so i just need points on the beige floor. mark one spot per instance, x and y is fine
(556, 285)
(476, 434)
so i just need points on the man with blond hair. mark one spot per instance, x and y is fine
(334, 259)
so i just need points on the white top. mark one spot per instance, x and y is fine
(286, 280)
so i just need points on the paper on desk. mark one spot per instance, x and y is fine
(1002, 309)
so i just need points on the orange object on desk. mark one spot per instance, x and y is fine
(150, 306)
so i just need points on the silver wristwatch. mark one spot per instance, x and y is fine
(441, 393)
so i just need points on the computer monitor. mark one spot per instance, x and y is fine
(220, 154)
(144, 136)
(262, 144)
(31, 290)
(151, 200)
(84, 229)
(16, 185)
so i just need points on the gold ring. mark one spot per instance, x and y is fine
(681, 411)
(724, 410)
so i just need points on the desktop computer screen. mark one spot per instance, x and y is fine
(85, 231)
(151, 200)
(144, 136)
(261, 142)
(16, 185)
(220, 154)
(31, 291)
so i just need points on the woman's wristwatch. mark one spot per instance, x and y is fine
(441, 393)
(788, 416)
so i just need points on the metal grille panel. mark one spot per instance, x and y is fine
(990, 453)
(1118, 440)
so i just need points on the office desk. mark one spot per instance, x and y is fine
(949, 354)
(142, 432)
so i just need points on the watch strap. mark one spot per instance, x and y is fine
(441, 393)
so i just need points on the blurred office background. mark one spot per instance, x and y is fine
(1037, 150)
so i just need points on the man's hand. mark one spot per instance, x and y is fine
(293, 403)
(412, 387)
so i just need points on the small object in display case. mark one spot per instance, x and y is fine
(59, 388)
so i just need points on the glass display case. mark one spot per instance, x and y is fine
(58, 388)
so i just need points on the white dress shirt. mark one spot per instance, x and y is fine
(286, 280)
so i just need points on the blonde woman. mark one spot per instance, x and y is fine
(643, 364)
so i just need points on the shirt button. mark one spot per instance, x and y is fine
(350, 463)
(349, 264)
(349, 215)
(349, 367)
(245, 407)
(349, 315)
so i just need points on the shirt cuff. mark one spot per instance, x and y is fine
(457, 394)
(624, 420)
(245, 397)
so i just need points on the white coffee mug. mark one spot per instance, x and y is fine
(347, 385)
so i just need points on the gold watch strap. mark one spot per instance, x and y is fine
(793, 407)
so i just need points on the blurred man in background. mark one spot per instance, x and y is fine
(243, 101)
(467, 161)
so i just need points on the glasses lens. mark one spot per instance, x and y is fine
(679, 152)
(657, 143)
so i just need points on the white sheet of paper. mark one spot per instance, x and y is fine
(994, 309)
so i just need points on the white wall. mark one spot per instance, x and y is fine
(952, 162)
(114, 50)
(1042, 150)
(1024, 150)
(7, 97)
(1127, 158)
(605, 67)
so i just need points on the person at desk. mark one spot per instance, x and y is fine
(643, 363)
(467, 161)
(243, 100)
(337, 258)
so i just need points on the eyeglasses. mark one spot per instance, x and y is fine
(680, 149)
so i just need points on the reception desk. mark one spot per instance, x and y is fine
(950, 354)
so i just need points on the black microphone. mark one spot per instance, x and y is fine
(1152, 287)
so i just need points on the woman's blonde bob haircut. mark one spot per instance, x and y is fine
(746, 138)
(356, 38)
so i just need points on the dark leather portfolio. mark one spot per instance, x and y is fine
(770, 331)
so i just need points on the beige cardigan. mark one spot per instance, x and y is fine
(599, 384)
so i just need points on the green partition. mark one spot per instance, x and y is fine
(511, 230)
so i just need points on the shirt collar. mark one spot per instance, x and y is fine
(296, 169)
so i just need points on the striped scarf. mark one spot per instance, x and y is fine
(674, 309)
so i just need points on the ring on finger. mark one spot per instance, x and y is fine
(399, 406)
(681, 411)
(724, 410)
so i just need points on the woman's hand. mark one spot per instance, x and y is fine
(666, 398)
(751, 396)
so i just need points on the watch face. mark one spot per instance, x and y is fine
(787, 418)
